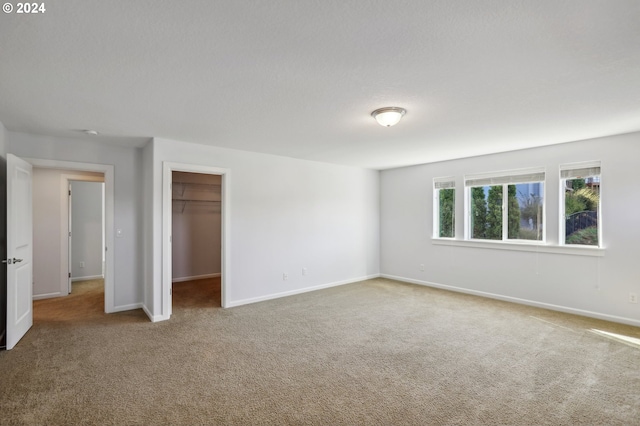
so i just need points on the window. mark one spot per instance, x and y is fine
(444, 207)
(580, 222)
(506, 206)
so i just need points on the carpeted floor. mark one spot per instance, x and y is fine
(84, 304)
(377, 352)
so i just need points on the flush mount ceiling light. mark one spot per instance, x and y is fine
(388, 116)
(91, 132)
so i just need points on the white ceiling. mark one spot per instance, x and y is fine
(300, 78)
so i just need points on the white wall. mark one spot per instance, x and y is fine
(87, 229)
(49, 224)
(595, 286)
(196, 226)
(46, 233)
(3, 144)
(127, 163)
(286, 214)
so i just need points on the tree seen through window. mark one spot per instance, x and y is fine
(523, 208)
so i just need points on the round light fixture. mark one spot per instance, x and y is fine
(91, 132)
(388, 116)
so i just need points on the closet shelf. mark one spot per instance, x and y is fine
(207, 193)
(196, 200)
(216, 187)
(195, 183)
(186, 201)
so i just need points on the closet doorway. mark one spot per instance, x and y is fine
(168, 206)
(196, 240)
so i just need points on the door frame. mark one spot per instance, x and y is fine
(65, 226)
(225, 263)
(109, 200)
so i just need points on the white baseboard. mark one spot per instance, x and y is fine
(123, 308)
(89, 277)
(195, 277)
(153, 318)
(297, 291)
(591, 314)
(47, 296)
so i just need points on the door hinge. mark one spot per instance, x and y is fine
(69, 274)
(69, 233)
(170, 292)
(69, 192)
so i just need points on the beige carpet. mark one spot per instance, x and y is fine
(372, 353)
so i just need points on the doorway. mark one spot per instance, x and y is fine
(168, 168)
(68, 172)
(86, 236)
(54, 233)
(19, 221)
(196, 232)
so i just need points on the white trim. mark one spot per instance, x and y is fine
(130, 307)
(88, 277)
(299, 291)
(591, 314)
(196, 277)
(505, 216)
(167, 169)
(562, 226)
(435, 231)
(47, 296)
(65, 258)
(575, 250)
(152, 318)
(109, 212)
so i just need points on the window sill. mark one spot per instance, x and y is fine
(530, 247)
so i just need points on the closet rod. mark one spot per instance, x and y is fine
(185, 202)
(197, 201)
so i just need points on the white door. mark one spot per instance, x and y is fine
(69, 256)
(19, 250)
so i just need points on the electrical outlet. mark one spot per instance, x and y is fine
(633, 298)
(81, 264)
(422, 267)
(285, 276)
(304, 271)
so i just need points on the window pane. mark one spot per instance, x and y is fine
(581, 202)
(486, 212)
(525, 205)
(447, 213)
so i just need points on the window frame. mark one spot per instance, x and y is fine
(577, 170)
(504, 179)
(440, 183)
